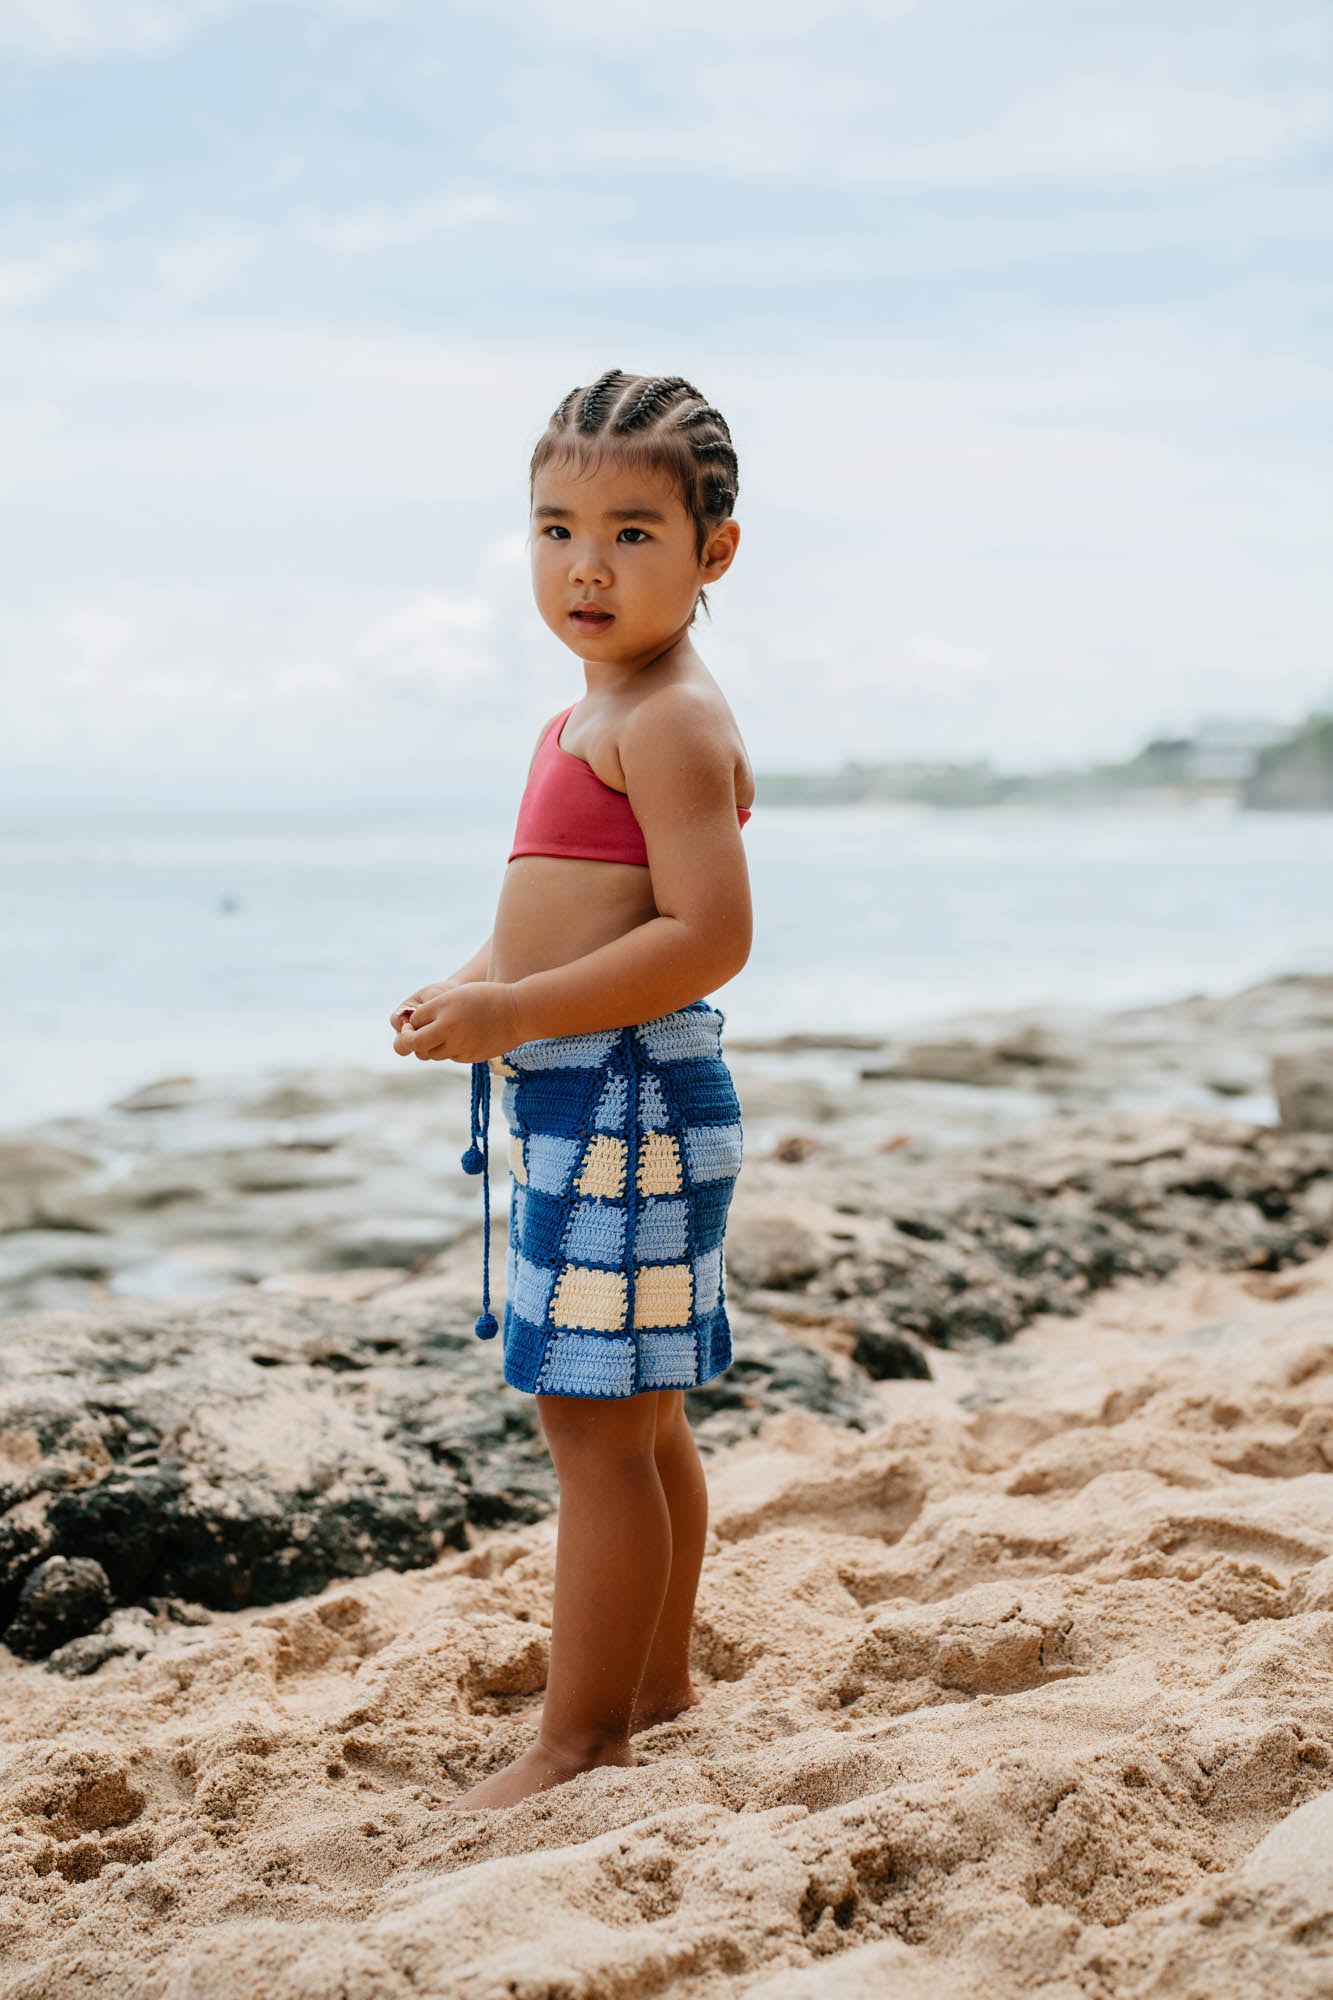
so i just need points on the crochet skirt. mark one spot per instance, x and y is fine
(624, 1147)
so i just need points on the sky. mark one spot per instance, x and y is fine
(1019, 314)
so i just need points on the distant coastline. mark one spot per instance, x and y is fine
(1259, 768)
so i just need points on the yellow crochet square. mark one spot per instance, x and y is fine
(517, 1163)
(603, 1170)
(592, 1299)
(659, 1164)
(663, 1294)
(499, 1067)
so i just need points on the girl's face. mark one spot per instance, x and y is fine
(620, 541)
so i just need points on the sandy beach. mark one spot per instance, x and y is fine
(1014, 1642)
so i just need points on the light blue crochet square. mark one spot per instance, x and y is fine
(707, 1281)
(660, 1233)
(587, 1364)
(531, 1294)
(668, 1359)
(564, 1051)
(551, 1161)
(610, 1113)
(713, 1151)
(687, 1036)
(653, 1114)
(596, 1234)
(508, 1102)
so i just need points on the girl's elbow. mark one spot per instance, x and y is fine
(736, 948)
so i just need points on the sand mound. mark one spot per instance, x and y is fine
(1028, 1690)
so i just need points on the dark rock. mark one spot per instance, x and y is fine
(61, 1599)
(771, 1372)
(887, 1356)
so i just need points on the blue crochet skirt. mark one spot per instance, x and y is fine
(624, 1147)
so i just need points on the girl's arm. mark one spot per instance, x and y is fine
(679, 773)
(477, 967)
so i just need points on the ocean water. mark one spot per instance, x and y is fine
(137, 946)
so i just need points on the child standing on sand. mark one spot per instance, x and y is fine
(625, 899)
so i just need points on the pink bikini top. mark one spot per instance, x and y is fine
(567, 809)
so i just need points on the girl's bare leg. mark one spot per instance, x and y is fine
(612, 1570)
(666, 1688)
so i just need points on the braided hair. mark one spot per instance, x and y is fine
(657, 421)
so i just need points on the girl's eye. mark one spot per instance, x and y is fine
(635, 531)
(555, 529)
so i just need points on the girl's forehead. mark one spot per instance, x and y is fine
(593, 488)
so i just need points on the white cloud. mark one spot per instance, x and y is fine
(51, 30)
(911, 99)
(434, 640)
(199, 687)
(307, 677)
(34, 277)
(92, 27)
(412, 222)
(96, 639)
(858, 129)
(192, 270)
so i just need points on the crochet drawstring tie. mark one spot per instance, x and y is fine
(476, 1160)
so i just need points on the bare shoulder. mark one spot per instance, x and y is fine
(687, 728)
(687, 714)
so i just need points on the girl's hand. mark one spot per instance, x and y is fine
(398, 1020)
(466, 1023)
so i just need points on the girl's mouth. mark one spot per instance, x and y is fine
(592, 621)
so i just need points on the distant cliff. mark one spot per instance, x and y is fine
(1295, 775)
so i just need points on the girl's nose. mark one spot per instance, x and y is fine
(589, 568)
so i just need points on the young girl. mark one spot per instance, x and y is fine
(625, 899)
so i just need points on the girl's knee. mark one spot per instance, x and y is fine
(599, 1426)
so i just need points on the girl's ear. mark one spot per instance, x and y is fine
(719, 551)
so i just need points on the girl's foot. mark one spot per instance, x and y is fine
(536, 1771)
(660, 1705)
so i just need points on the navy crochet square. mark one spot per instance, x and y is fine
(545, 1218)
(523, 1344)
(709, 1205)
(702, 1093)
(556, 1100)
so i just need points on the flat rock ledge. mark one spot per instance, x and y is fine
(160, 1460)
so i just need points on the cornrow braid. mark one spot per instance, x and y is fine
(704, 414)
(658, 421)
(592, 415)
(653, 398)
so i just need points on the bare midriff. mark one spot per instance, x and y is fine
(556, 907)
